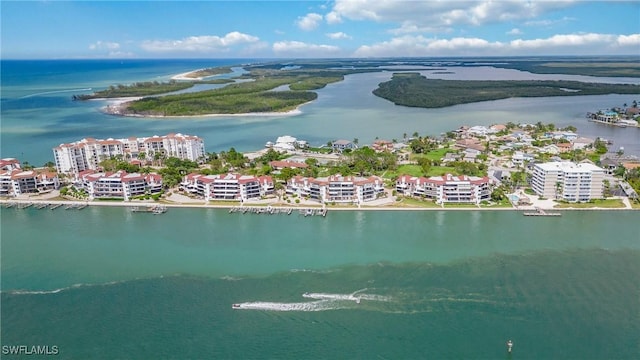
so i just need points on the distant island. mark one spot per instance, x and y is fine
(280, 87)
(416, 90)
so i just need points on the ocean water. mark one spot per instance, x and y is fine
(107, 283)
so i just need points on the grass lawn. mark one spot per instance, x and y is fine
(441, 170)
(437, 154)
(415, 203)
(606, 203)
(502, 205)
(460, 206)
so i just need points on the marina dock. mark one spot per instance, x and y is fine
(156, 209)
(272, 210)
(540, 212)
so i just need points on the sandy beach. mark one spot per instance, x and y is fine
(186, 76)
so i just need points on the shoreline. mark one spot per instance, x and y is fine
(184, 76)
(202, 205)
(116, 105)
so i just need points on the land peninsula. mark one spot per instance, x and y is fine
(281, 87)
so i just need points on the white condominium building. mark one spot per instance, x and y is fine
(568, 181)
(446, 189)
(88, 153)
(120, 184)
(15, 181)
(337, 188)
(228, 186)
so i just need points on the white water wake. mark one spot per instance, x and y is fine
(54, 92)
(320, 305)
(324, 302)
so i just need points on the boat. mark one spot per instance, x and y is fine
(509, 345)
(235, 306)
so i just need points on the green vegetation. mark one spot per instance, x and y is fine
(315, 83)
(208, 72)
(248, 97)
(136, 89)
(415, 203)
(601, 203)
(415, 90)
(592, 67)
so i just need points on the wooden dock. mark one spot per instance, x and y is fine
(272, 210)
(540, 212)
(155, 209)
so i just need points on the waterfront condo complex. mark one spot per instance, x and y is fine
(568, 181)
(229, 186)
(87, 153)
(446, 189)
(336, 188)
(15, 181)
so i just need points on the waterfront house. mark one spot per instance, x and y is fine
(341, 145)
(581, 143)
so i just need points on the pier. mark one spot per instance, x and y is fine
(156, 209)
(271, 210)
(540, 212)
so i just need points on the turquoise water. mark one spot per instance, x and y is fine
(106, 283)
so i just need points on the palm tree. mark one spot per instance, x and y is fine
(558, 189)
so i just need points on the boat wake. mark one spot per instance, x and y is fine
(320, 305)
(54, 92)
(324, 302)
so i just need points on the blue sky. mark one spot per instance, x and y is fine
(311, 29)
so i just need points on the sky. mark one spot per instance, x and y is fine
(316, 29)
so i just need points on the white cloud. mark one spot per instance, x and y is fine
(514, 31)
(430, 15)
(104, 45)
(333, 18)
(566, 44)
(338, 35)
(629, 40)
(548, 22)
(301, 49)
(203, 43)
(309, 21)
(120, 54)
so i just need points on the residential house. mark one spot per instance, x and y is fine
(341, 145)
